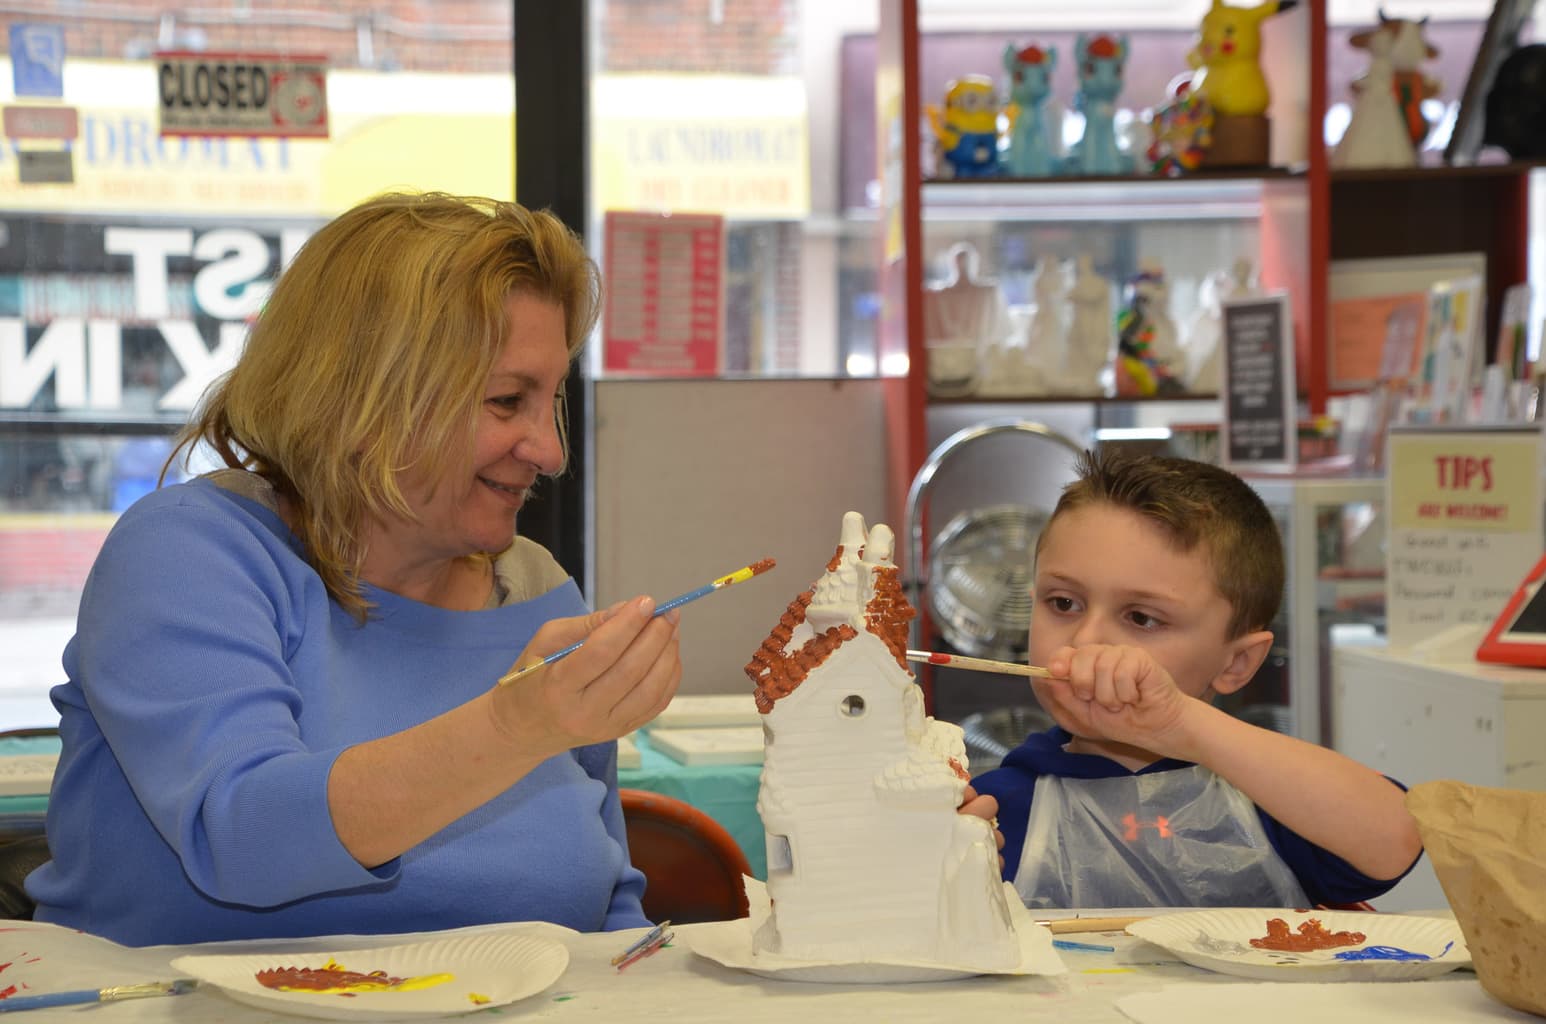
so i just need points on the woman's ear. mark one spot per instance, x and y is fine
(1245, 655)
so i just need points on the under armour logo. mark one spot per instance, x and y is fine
(1160, 824)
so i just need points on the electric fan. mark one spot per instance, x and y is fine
(979, 583)
(976, 578)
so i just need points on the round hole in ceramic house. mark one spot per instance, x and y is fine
(853, 705)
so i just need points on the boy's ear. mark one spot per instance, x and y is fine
(1246, 654)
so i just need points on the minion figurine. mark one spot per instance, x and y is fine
(966, 131)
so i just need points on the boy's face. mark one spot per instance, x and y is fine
(1107, 575)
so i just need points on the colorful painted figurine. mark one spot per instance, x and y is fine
(1377, 135)
(1407, 50)
(1101, 59)
(966, 131)
(1148, 352)
(1030, 153)
(1227, 58)
(1181, 130)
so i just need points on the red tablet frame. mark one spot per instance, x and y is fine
(1515, 652)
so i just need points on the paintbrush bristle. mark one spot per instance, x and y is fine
(761, 566)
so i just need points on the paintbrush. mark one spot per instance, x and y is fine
(97, 995)
(648, 937)
(1073, 925)
(979, 664)
(755, 569)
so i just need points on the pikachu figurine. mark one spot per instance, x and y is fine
(1227, 58)
(1227, 76)
(966, 130)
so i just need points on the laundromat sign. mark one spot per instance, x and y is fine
(244, 94)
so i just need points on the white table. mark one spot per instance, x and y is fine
(677, 986)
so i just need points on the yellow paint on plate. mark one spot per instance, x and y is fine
(402, 985)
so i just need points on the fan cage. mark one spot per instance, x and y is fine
(979, 584)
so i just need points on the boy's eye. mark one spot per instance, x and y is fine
(1143, 620)
(1061, 604)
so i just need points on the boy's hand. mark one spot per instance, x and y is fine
(1116, 693)
(984, 806)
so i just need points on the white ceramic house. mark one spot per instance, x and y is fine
(868, 858)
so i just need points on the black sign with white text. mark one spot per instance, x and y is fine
(1260, 414)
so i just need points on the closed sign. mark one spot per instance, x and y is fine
(242, 94)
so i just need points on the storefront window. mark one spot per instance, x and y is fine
(706, 108)
(125, 291)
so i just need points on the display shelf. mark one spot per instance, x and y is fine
(1102, 199)
(1432, 172)
(1102, 400)
(1300, 220)
(1200, 176)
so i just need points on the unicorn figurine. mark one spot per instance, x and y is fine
(1100, 59)
(1030, 153)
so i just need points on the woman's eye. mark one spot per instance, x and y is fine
(507, 402)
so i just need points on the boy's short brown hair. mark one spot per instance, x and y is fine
(1194, 503)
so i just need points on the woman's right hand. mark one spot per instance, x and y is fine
(624, 675)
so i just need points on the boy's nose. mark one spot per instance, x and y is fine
(1090, 630)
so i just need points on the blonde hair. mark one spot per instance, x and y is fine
(371, 356)
(1196, 505)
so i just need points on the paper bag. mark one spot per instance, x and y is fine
(1488, 847)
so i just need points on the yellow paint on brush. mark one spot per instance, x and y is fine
(742, 575)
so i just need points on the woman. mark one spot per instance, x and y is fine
(282, 715)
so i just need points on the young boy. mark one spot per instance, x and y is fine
(1155, 581)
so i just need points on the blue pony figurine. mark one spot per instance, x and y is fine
(1100, 83)
(1030, 153)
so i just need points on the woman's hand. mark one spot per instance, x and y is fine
(624, 675)
(984, 806)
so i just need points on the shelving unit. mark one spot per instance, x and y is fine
(1306, 217)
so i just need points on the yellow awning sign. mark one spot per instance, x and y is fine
(731, 144)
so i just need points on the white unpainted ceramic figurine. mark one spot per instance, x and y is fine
(1023, 364)
(1377, 134)
(1204, 351)
(868, 859)
(1090, 331)
(1049, 327)
(961, 319)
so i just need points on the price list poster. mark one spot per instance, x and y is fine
(664, 280)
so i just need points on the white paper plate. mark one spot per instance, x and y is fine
(1220, 940)
(730, 943)
(488, 969)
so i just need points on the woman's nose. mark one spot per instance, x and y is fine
(542, 447)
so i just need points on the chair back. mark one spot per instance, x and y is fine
(693, 867)
(17, 860)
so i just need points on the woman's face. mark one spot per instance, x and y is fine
(517, 438)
